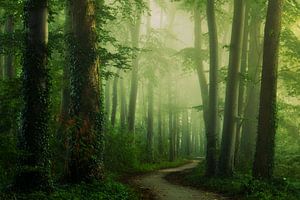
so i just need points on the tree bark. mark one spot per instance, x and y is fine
(150, 150)
(249, 126)
(226, 163)
(114, 102)
(135, 35)
(264, 155)
(212, 130)
(241, 95)
(199, 66)
(123, 105)
(171, 129)
(107, 100)
(9, 68)
(160, 126)
(34, 169)
(86, 156)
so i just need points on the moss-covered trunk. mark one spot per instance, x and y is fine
(34, 165)
(86, 134)
(9, 68)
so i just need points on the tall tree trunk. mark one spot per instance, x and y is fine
(171, 129)
(264, 155)
(186, 134)
(86, 159)
(212, 130)
(34, 170)
(64, 116)
(241, 96)
(114, 101)
(107, 99)
(9, 69)
(199, 66)
(249, 127)
(160, 126)
(123, 105)
(150, 150)
(1, 58)
(230, 114)
(135, 35)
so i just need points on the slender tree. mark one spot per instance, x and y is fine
(150, 150)
(230, 112)
(199, 64)
(212, 130)
(264, 155)
(249, 126)
(34, 170)
(241, 96)
(123, 104)
(9, 68)
(107, 99)
(135, 35)
(114, 101)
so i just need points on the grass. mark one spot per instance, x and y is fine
(243, 186)
(105, 190)
(109, 189)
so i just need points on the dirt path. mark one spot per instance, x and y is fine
(164, 190)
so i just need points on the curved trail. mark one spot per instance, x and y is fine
(165, 190)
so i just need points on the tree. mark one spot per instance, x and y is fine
(230, 113)
(34, 169)
(249, 124)
(264, 155)
(135, 35)
(86, 139)
(123, 105)
(114, 101)
(9, 69)
(212, 129)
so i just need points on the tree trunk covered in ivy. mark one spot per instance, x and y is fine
(230, 112)
(249, 127)
(9, 68)
(264, 155)
(64, 117)
(114, 101)
(34, 166)
(86, 113)
(1, 57)
(135, 35)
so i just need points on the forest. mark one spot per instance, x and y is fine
(149, 99)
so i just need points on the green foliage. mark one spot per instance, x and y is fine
(244, 186)
(120, 155)
(10, 108)
(106, 190)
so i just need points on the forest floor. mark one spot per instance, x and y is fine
(155, 186)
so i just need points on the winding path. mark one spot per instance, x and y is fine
(165, 190)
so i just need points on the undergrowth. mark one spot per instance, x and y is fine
(106, 190)
(243, 186)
